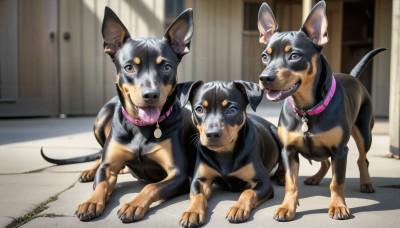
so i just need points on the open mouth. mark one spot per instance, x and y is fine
(149, 114)
(277, 95)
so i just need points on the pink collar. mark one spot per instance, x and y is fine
(142, 123)
(318, 108)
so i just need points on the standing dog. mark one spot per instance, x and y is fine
(321, 111)
(236, 149)
(142, 128)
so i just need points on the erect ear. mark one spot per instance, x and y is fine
(180, 32)
(266, 23)
(316, 24)
(252, 91)
(113, 31)
(185, 91)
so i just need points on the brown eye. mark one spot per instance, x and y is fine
(167, 69)
(264, 58)
(199, 110)
(130, 69)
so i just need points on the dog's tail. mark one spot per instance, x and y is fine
(360, 67)
(68, 161)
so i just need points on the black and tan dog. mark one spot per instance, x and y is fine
(142, 128)
(236, 149)
(321, 111)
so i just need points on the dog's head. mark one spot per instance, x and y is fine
(146, 67)
(219, 110)
(290, 58)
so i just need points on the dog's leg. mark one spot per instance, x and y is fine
(365, 179)
(249, 199)
(316, 178)
(200, 192)
(105, 180)
(337, 207)
(287, 210)
(172, 185)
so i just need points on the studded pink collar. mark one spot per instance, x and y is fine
(142, 123)
(318, 108)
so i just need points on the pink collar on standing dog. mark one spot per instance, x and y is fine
(318, 108)
(142, 123)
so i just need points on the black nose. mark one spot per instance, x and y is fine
(213, 133)
(267, 78)
(150, 94)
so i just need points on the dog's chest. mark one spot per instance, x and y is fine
(313, 144)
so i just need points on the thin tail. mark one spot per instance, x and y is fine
(68, 161)
(360, 67)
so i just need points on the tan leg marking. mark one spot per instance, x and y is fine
(365, 179)
(337, 206)
(287, 210)
(195, 215)
(316, 178)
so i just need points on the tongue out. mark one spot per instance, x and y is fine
(274, 95)
(149, 115)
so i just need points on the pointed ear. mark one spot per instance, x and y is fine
(180, 32)
(266, 23)
(185, 91)
(252, 91)
(113, 31)
(316, 24)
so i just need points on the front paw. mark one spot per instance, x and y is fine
(339, 212)
(131, 212)
(284, 214)
(192, 218)
(89, 210)
(237, 214)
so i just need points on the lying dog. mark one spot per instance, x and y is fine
(142, 128)
(321, 111)
(236, 150)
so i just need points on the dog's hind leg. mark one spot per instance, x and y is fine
(365, 179)
(316, 178)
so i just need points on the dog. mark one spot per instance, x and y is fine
(321, 110)
(235, 149)
(142, 127)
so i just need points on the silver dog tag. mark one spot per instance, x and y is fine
(157, 132)
(304, 126)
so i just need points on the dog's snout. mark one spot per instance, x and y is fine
(267, 78)
(213, 133)
(150, 94)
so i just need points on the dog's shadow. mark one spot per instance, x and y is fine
(382, 200)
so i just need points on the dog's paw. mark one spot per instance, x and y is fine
(312, 181)
(87, 176)
(192, 219)
(339, 212)
(89, 210)
(237, 214)
(283, 214)
(131, 212)
(367, 188)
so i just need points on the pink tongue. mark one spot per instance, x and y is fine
(149, 115)
(274, 95)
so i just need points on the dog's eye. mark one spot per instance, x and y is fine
(130, 69)
(199, 110)
(264, 58)
(167, 69)
(232, 110)
(294, 56)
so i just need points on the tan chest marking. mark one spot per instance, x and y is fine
(246, 173)
(329, 138)
(162, 155)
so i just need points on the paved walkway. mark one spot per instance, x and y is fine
(27, 181)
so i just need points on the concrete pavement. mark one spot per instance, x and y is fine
(26, 181)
